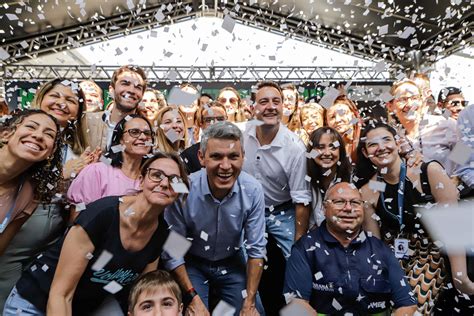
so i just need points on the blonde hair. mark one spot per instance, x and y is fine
(162, 142)
(151, 281)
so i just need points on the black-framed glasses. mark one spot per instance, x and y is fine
(212, 119)
(341, 203)
(458, 103)
(157, 175)
(136, 132)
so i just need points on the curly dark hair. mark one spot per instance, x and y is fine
(117, 157)
(45, 175)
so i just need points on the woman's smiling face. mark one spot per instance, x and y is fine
(62, 103)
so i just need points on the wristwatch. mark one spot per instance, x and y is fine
(189, 295)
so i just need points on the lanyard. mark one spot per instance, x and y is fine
(400, 193)
(6, 220)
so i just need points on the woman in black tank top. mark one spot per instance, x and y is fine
(391, 196)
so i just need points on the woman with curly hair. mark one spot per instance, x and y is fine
(344, 117)
(65, 101)
(30, 160)
(171, 135)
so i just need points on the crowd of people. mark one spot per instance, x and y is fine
(148, 205)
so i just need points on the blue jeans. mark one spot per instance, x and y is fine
(16, 305)
(281, 224)
(228, 278)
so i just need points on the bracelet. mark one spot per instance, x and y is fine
(189, 295)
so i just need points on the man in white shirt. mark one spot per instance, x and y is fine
(276, 158)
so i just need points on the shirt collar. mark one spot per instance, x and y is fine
(330, 238)
(278, 141)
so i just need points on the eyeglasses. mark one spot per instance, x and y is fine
(405, 100)
(230, 100)
(340, 203)
(136, 132)
(458, 103)
(156, 175)
(212, 119)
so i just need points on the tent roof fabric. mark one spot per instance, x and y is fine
(400, 31)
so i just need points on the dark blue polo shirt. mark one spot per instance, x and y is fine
(363, 278)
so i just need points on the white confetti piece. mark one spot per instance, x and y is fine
(228, 24)
(383, 29)
(377, 186)
(223, 309)
(244, 294)
(336, 304)
(112, 287)
(89, 256)
(117, 148)
(172, 135)
(80, 206)
(452, 227)
(204, 236)
(180, 97)
(460, 153)
(294, 309)
(4, 54)
(179, 187)
(102, 260)
(328, 99)
(45, 267)
(176, 245)
(318, 275)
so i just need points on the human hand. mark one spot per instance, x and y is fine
(249, 309)
(197, 308)
(414, 158)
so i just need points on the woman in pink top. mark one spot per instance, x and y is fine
(118, 173)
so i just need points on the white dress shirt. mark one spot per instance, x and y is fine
(279, 166)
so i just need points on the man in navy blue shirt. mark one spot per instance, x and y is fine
(339, 269)
(225, 210)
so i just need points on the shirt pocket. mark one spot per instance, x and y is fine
(376, 294)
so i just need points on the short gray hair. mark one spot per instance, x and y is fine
(221, 130)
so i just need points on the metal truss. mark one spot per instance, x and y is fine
(96, 30)
(145, 18)
(200, 74)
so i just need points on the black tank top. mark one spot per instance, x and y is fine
(412, 199)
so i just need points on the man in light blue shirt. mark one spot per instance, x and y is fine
(224, 211)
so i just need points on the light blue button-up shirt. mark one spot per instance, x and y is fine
(218, 228)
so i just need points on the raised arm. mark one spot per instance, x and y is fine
(72, 263)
